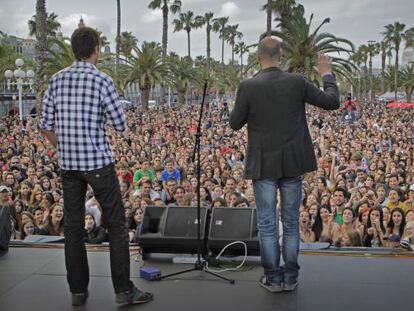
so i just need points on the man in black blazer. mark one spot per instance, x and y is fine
(279, 152)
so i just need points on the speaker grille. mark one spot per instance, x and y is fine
(231, 223)
(182, 222)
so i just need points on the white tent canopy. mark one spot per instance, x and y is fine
(391, 96)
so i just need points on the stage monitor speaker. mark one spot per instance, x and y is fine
(230, 224)
(172, 229)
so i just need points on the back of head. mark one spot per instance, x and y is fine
(84, 40)
(269, 49)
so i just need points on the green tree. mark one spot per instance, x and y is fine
(52, 25)
(182, 75)
(301, 47)
(241, 48)
(394, 34)
(187, 22)
(219, 26)
(384, 50)
(60, 56)
(231, 34)
(372, 50)
(147, 69)
(206, 20)
(407, 81)
(165, 5)
(127, 43)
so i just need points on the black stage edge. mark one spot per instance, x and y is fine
(35, 279)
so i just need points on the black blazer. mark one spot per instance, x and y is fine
(273, 105)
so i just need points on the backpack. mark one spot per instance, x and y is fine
(5, 228)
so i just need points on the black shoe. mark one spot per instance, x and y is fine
(133, 296)
(79, 299)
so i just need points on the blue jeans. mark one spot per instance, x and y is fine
(268, 224)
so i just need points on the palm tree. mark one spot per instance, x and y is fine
(231, 34)
(394, 33)
(103, 40)
(59, 58)
(166, 5)
(127, 43)
(206, 20)
(52, 25)
(183, 74)
(301, 47)
(359, 58)
(187, 22)
(407, 81)
(241, 48)
(118, 34)
(384, 48)
(372, 50)
(147, 68)
(41, 46)
(219, 26)
(408, 36)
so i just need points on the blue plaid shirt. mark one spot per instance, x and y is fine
(76, 106)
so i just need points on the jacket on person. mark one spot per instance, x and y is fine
(273, 105)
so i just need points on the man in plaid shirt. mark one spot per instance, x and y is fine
(77, 105)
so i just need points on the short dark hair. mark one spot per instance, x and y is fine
(84, 40)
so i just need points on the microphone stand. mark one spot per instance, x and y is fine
(200, 264)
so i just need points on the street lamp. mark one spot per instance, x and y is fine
(20, 76)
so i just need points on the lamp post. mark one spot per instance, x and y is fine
(20, 76)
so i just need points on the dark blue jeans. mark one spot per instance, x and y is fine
(105, 185)
(268, 224)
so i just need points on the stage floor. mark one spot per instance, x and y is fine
(34, 279)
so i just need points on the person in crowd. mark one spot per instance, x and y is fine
(27, 228)
(271, 121)
(407, 240)
(395, 228)
(375, 229)
(135, 225)
(306, 233)
(347, 226)
(94, 234)
(54, 221)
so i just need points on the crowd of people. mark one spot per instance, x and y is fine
(361, 195)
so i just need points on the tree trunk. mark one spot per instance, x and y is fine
(397, 48)
(181, 97)
(269, 18)
(144, 97)
(164, 43)
(409, 93)
(371, 88)
(41, 42)
(383, 60)
(208, 47)
(188, 38)
(241, 64)
(164, 28)
(222, 49)
(232, 54)
(118, 35)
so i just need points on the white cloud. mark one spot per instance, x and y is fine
(152, 16)
(70, 22)
(229, 9)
